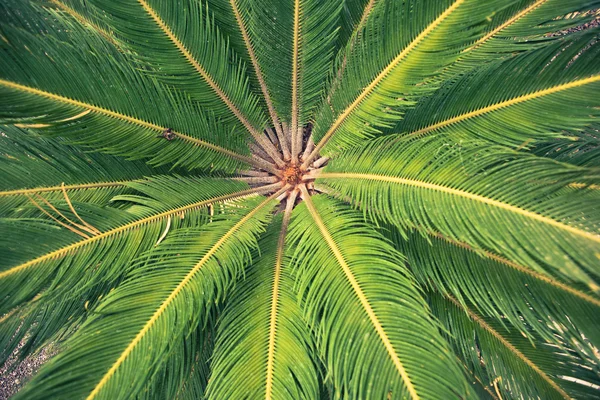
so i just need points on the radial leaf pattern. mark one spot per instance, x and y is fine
(300, 199)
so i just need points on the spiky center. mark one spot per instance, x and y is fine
(290, 170)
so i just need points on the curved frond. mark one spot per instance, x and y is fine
(199, 67)
(120, 240)
(349, 277)
(50, 166)
(313, 43)
(511, 294)
(240, 39)
(263, 345)
(534, 96)
(508, 360)
(473, 193)
(64, 87)
(402, 48)
(522, 26)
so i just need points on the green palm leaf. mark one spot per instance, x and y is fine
(388, 67)
(365, 287)
(142, 340)
(262, 348)
(534, 105)
(508, 360)
(511, 293)
(462, 190)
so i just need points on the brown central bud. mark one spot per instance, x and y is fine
(292, 175)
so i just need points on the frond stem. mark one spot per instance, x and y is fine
(296, 143)
(18, 192)
(261, 81)
(132, 120)
(85, 21)
(275, 295)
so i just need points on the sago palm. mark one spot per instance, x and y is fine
(301, 199)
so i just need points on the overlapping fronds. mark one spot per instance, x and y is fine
(318, 199)
(398, 51)
(512, 294)
(163, 298)
(508, 362)
(537, 95)
(122, 236)
(366, 309)
(473, 192)
(264, 347)
(522, 26)
(73, 83)
(164, 40)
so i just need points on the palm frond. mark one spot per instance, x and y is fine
(186, 372)
(523, 26)
(511, 294)
(401, 48)
(123, 235)
(162, 300)
(49, 163)
(313, 43)
(263, 344)
(537, 95)
(100, 99)
(508, 361)
(241, 40)
(472, 193)
(201, 68)
(373, 328)
(353, 17)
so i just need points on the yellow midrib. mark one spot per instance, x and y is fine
(361, 296)
(509, 346)
(275, 295)
(59, 188)
(353, 40)
(84, 21)
(520, 268)
(509, 22)
(461, 193)
(66, 249)
(122, 117)
(253, 59)
(260, 138)
(507, 103)
(173, 295)
(367, 91)
(295, 111)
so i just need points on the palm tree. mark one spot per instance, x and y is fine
(301, 199)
